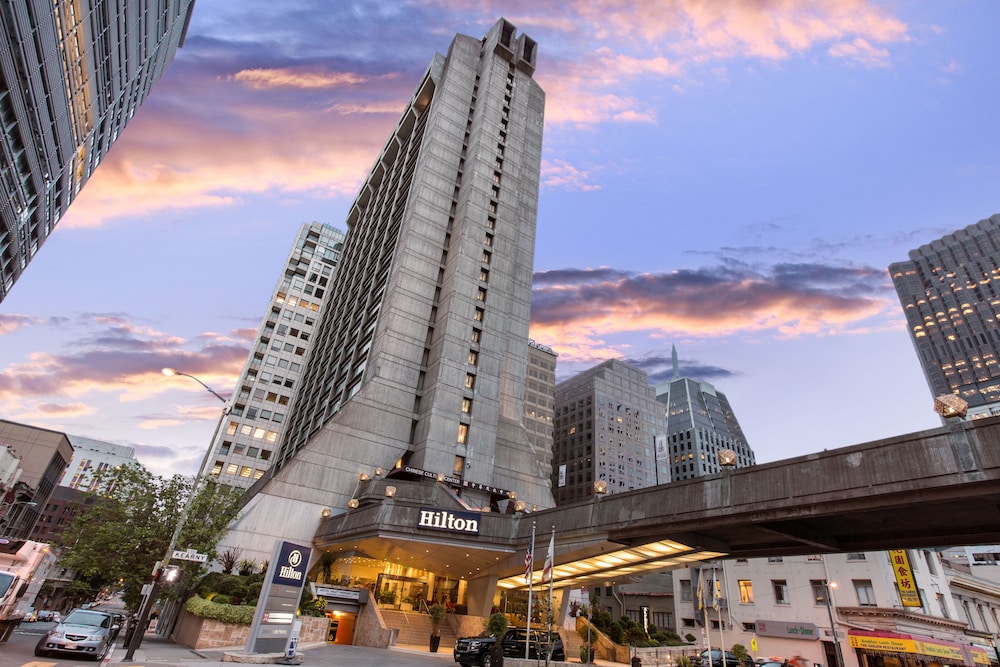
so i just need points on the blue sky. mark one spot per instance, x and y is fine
(732, 178)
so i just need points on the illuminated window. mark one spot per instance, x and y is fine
(466, 405)
(746, 591)
(470, 381)
(232, 469)
(245, 472)
(463, 433)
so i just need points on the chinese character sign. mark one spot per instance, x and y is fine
(909, 595)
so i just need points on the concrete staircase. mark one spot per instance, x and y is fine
(415, 629)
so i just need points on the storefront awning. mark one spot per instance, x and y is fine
(938, 649)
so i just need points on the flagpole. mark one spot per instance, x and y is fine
(552, 563)
(715, 606)
(531, 578)
(702, 578)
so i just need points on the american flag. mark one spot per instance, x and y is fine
(527, 565)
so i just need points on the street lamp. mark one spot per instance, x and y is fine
(830, 585)
(170, 372)
(147, 602)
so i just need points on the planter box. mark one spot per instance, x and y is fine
(205, 633)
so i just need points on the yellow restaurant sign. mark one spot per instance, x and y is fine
(899, 645)
(908, 593)
(979, 655)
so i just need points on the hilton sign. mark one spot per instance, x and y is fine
(466, 523)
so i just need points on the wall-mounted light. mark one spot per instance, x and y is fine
(353, 503)
(950, 405)
(600, 487)
(326, 513)
(512, 495)
(364, 477)
(520, 506)
(440, 476)
(727, 458)
(390, 492)
(378, 472)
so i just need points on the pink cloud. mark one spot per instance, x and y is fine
(291, 78)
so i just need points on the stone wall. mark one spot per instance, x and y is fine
(205, 633)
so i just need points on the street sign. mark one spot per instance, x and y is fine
(190, 555)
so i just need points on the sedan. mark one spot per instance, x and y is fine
(84, 632)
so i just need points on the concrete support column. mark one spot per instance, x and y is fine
(479, 595)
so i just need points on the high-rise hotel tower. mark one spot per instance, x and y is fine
(950, 293)
(244, 448)
(420, 359)
(72, 75)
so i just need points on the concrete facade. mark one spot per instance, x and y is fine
(44, 455)
(91, 457)
(422, 360)
(258, 410)
(72, 76)
(606, 426)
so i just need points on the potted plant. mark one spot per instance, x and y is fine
(587, 654)
(496, 627)
(436, 612)
(587, 634)
(387, 597)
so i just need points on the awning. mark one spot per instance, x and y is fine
(939, 649)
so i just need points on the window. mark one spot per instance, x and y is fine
(463, 433)
(746, 591)
(466, 405)
(856, 555)
(865, 591)
(477, 335)
(686, 590)
(470, 381)
(232, 468)
(473, 357)
(480, 313)
(780, 587)
(819, 590)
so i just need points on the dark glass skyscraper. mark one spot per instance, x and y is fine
(700, 423)
(950, 293)
(72, 75)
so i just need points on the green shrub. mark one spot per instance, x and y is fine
(224, 613)
(221, 598)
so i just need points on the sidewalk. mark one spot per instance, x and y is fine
(159, 652)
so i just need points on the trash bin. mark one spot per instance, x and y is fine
(636, 661)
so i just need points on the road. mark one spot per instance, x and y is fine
(20, 648)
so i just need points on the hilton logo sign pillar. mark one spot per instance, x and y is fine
(271, 631)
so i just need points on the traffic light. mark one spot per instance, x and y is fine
(167, 575)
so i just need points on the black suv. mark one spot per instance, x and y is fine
(470, 651)
(716, 660)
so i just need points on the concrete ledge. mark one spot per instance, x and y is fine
(261, 658)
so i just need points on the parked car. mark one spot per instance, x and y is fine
(477, 651)
(85, 632)
(716, 659)
(31, 616)
(49, 615)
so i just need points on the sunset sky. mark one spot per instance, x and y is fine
(732, 178)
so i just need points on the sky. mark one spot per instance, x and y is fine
(732, 178)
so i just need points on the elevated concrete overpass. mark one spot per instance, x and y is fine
(939, 487)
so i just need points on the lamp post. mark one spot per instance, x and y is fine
(147, 602)
(830, 585)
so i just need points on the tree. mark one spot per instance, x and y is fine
(124, 528)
